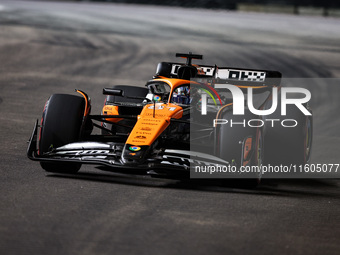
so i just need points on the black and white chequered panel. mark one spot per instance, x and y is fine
(247, 75)
(208, 70)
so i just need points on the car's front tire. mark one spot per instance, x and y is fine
(61, 124)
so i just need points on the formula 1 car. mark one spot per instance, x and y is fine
(183, 119)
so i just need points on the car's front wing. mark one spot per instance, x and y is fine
(108, 156)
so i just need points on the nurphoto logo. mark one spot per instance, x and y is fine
(239, 105)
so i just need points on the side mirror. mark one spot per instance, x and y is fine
(113, 92)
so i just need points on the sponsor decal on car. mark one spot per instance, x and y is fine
(134, 148)
(140, 137)
(160, 107)
(157, 98)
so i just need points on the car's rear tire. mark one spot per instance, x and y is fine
(229, 146)
(61, 124)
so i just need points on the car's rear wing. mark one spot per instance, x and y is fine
(230, 75)
(247, 77)
(170, 70)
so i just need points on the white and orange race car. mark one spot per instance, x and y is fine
(184, 119)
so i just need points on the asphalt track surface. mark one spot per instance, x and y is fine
(51, 47)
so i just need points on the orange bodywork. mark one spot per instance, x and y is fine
(151, 123)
